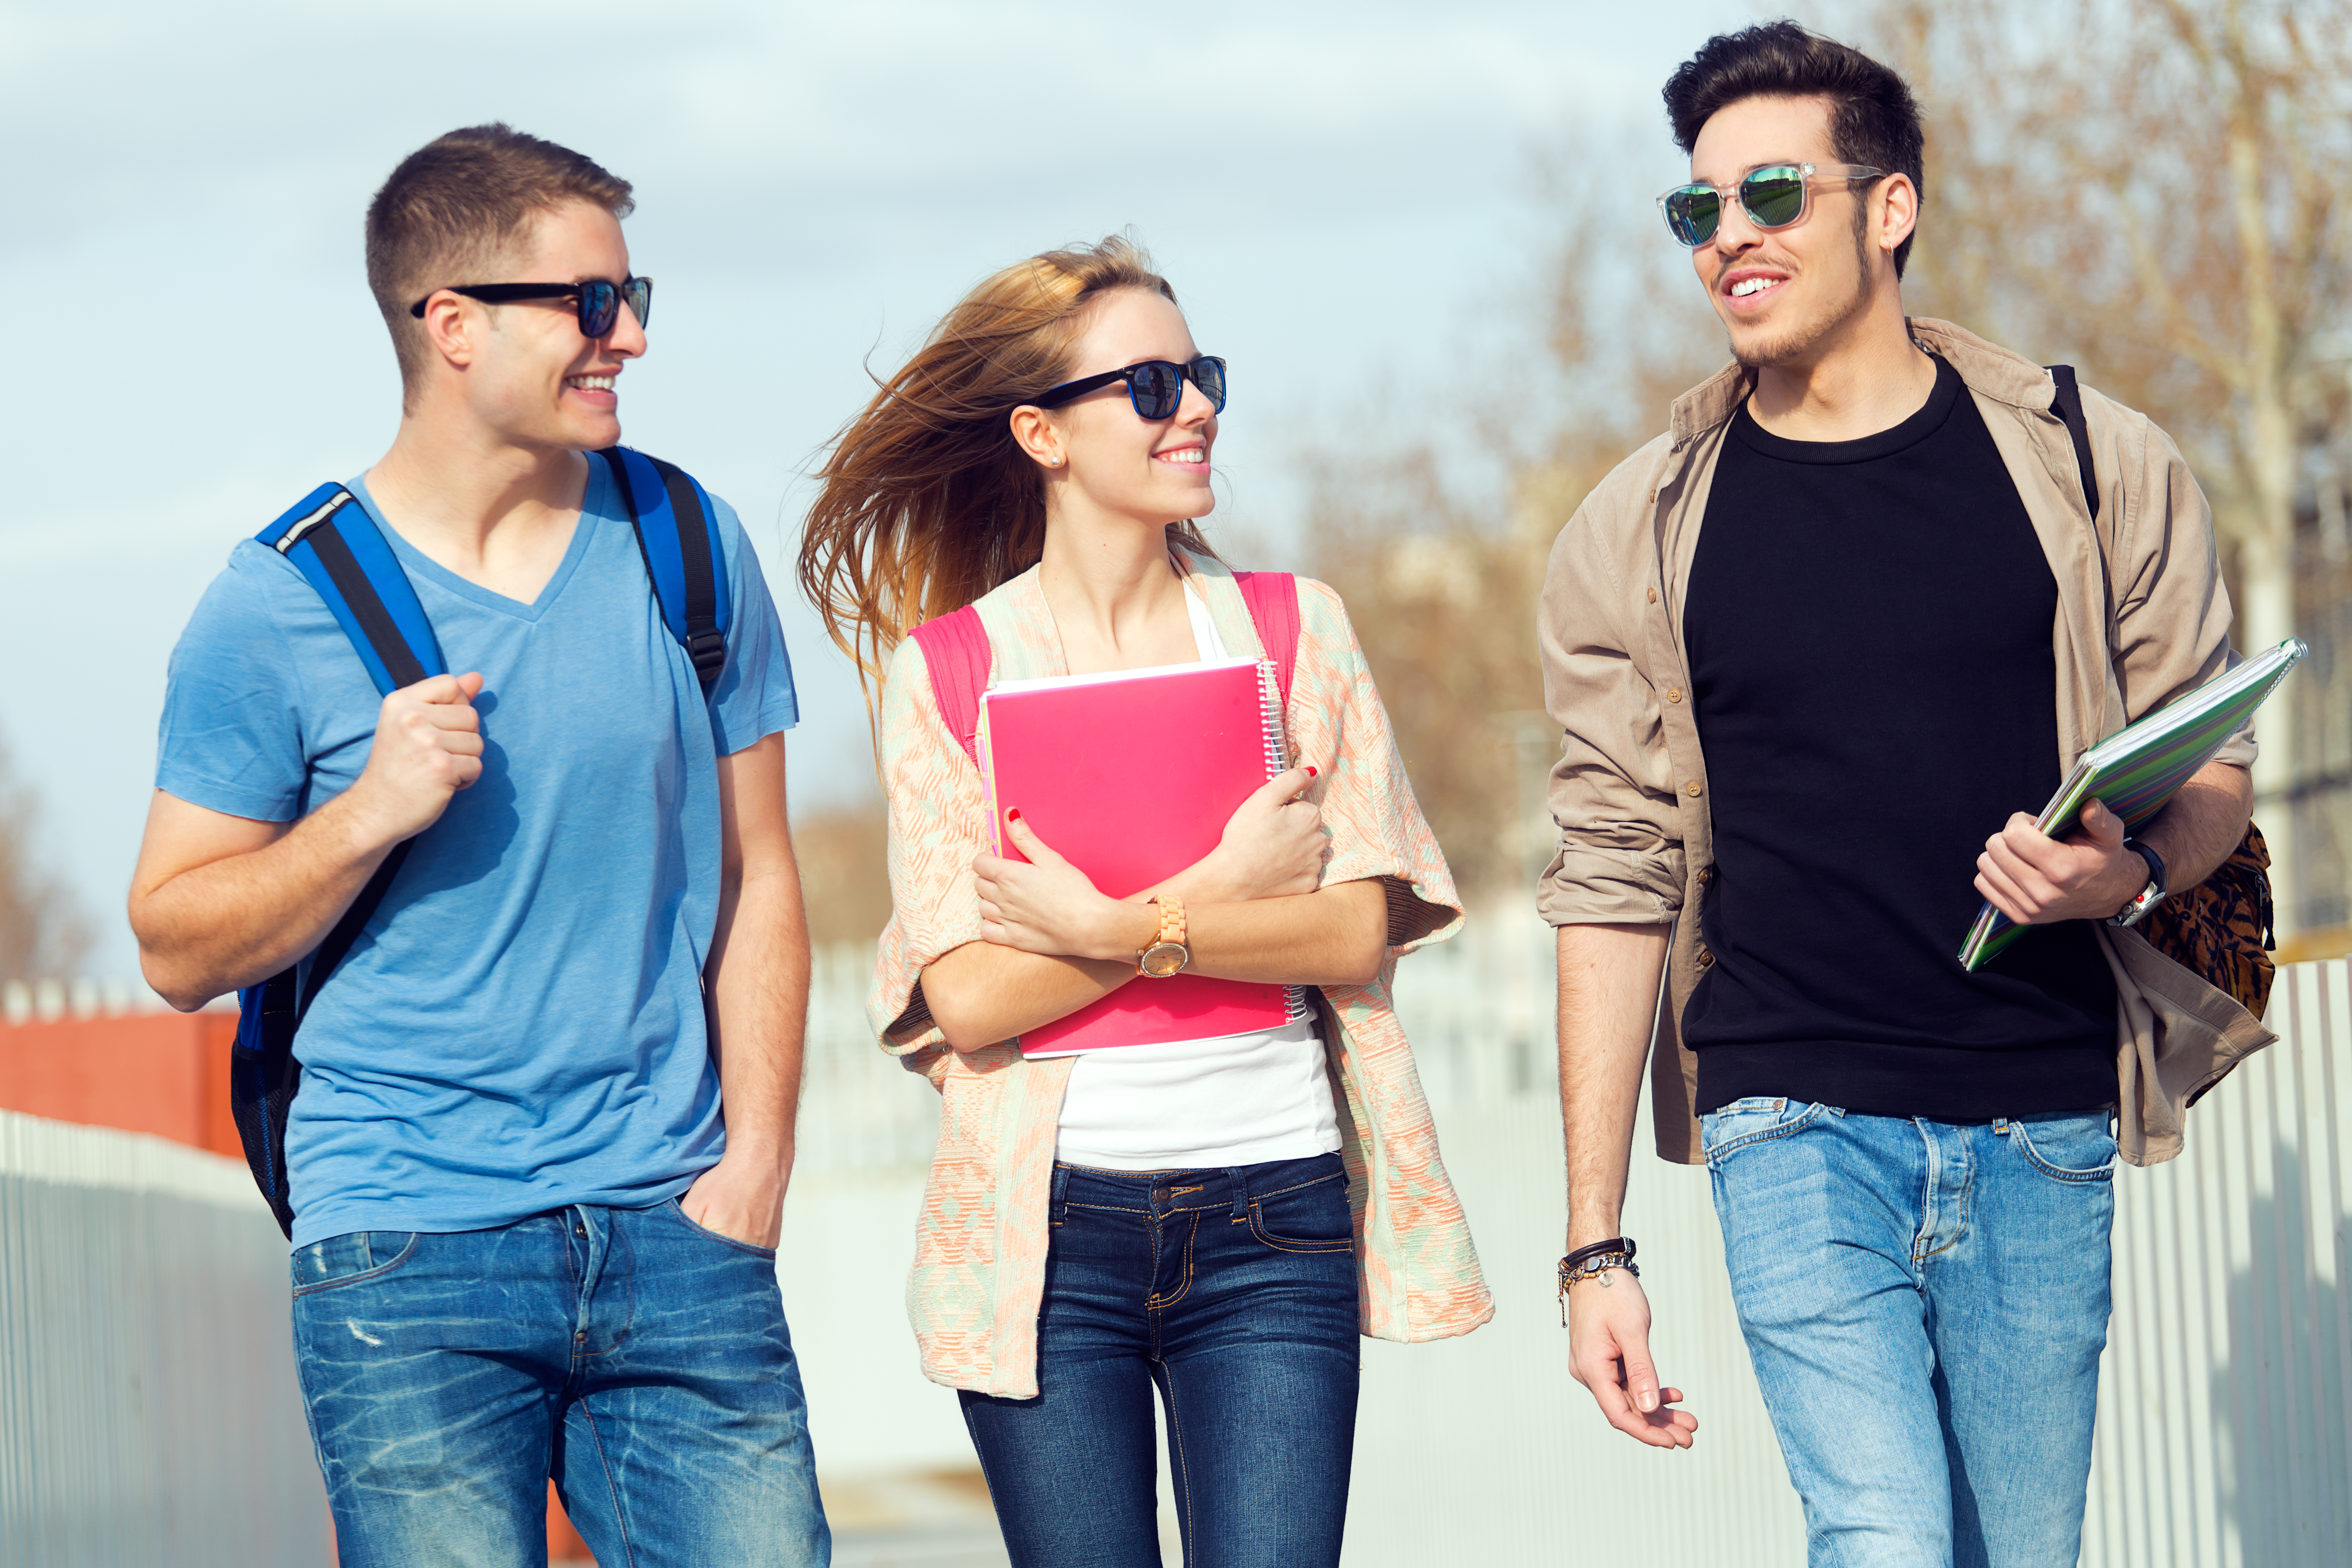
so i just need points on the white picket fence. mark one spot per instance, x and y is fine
(148, 1413)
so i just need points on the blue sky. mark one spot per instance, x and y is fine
(1339, 191)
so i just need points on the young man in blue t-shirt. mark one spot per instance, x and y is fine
(539, 1154)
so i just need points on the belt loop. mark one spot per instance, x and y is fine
(2001, 1126)
(1061, 1192)
(1241, 1193)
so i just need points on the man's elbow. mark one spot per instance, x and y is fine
(181, 992)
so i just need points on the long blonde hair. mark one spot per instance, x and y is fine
(929, 502)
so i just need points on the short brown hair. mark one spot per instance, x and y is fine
(455, 204)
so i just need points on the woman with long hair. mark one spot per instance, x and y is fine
(1219, 1217)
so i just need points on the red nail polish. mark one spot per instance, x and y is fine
(1310, 771)
(1013, 813)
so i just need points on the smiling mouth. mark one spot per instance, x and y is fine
(1749, 288)
(590, 382)
(1187, 457)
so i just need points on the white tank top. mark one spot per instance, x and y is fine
(1238, 1099)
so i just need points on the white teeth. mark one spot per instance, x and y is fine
(1746, 286)
(592, 383)
(1190, 455)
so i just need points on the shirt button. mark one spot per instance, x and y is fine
(1705, 959)
(1653, 595)
(1691, 789)
(1706, 873)
(1674, 694)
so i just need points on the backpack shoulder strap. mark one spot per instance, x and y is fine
(956, 652)
(329, 537)
(1273, 601)
(2068, 407)
(678, 535)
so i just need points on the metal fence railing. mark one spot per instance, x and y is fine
(148, 1411)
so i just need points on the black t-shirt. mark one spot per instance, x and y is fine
(1870, 631)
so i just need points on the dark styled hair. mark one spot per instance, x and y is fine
(455, 204)
(1874, 119)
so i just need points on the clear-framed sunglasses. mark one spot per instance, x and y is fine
(1774, 195)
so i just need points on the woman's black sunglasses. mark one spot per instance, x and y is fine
(598, 302)
(1155, 386)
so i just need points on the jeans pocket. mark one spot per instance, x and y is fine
(1755, 1119)
(2068, 1148)
(1311, 1217)
(349, 1258)
(687, 1220)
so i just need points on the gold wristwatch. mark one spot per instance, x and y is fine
(1168, 954)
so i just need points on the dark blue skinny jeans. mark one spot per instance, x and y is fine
(1233, 1291)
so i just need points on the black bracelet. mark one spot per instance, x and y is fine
(1623, 1243)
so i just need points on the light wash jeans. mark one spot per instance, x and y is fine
(1926, 1303)
(636, 1357)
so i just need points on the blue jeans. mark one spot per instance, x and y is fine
(1926, 1303)
(1234, 1291)
(638, 1359)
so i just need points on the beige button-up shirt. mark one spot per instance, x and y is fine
(2142, 618)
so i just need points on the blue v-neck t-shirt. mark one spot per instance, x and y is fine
(521, 1024)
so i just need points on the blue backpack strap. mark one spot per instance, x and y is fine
(330, 540)
(328, 537)
(678, 533)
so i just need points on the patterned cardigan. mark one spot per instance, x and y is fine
(980, 1252)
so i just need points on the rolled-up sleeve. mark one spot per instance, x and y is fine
(2171, 607)
(1619, 859)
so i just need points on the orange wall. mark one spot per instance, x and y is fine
(164, 1073)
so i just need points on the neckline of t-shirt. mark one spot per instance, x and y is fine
(1205, 640)
(1941, 400)
(418, 564)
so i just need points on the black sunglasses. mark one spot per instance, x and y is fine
(1774, 195)
(598, 302)
(1155, 386)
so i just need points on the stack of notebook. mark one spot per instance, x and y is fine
(2135, 769)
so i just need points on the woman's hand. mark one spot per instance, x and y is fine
(1048, 905)
(1272, 846)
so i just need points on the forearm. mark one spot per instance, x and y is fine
(759, 980)
(982, 993)
(1608, 1002)
(1332, 936)
(2202, 824)
(231, 922)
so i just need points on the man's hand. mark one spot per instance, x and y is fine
(742, 1200)
(2087, 874)
(429, 746)
(1609, 1350)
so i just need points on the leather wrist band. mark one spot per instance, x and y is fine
(1623, 1243)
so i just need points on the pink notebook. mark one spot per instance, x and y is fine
(1131, 777)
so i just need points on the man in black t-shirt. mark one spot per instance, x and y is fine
(1848, 617)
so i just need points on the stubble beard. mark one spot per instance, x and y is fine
(1797, 342)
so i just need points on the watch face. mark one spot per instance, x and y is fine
(1163, 959)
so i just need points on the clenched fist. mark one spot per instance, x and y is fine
(429, 746)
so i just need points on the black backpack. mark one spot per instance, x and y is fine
(2220, 929)
(330, 537)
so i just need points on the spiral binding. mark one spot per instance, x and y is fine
(1277, 762)
(1278, 753)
